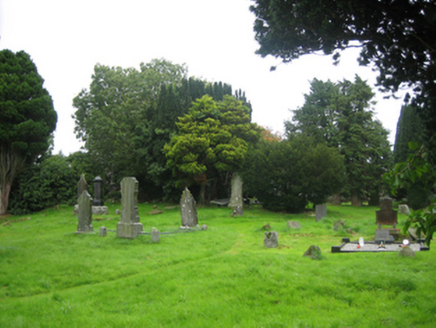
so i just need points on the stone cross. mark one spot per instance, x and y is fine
(85, 213)
(188, 209)
(236, 198)
(129, 225)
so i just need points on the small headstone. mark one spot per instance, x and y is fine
(103, 231)
(383, 235)
(238, 211)
(271, 239)
(321, 211)
(314, 252)
(155, 235)
(188, 209)
(85, 213)
(406, 251)
(266, 227)
(236, 198)
(339, 224)
(117, 212)
(129, 225)
(82, 185)
(204, 227)
(404, 209)
(294, 224)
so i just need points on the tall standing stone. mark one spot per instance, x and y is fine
(82, 185)
(188, 209)
(129, 225)
(320, 211)
(236, 198)
(85, 213)
(98, 186)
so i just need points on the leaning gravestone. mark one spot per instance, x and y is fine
(129, 225)
(321, 211)
(188, 210)
(294, 224)
(271, 239)
(236, 198)
(85, 213)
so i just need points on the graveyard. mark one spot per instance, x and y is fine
(55, 274)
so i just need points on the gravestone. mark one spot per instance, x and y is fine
(103, 231)
(85, 213)
(321, 211)
(82, 185)
(98, 186)
(271, 239)
(294, 224)
(203, 227)
(188, 210)
(386, 215)
(129, 225)
(155, 235)
(404, 209)
(314, 252)
(236, 198)
(406, 251)
(383, 235)
(99, 210)
(238, 211)
(339, 224)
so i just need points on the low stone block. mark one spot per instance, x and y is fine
(406, 251)
(129, 230)
(271, 239)
(314, 252)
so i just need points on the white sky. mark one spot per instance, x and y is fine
(214, 38)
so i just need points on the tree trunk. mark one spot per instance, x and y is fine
(355, 199)
(336, 199)
(4, 197)
(202, 194)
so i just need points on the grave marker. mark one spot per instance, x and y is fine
(271, 239)
(236, 198)
(321, 211)
(188, 209)
(129, 225)
(85, 213)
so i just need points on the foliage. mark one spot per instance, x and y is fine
(339, 115)
(213, 137)
(396, 36)
(27, 118)
(49, 183)
(287, 175)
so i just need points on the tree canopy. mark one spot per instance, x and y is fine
(397, 36)
(27, 118)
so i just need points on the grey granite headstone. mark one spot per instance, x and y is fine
(155, 235)
(321, 211)
(271, 239)
(188, 209)
(85, 213)
(103, 231)
(294, 224)
(236, 198)
(129, 225)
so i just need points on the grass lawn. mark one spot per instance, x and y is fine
(223, 277)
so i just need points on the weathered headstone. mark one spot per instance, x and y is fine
(103, 231)
(85, 213)
(271, 239)
(236, 198)
(386, 215)
(383, 235)
(129, 225)
(204, 227)
(98, 188)
(155, 235)
(238, 211)
(406, 251)
(188, 209)
(82, 185)
(321, 211)
(294, 224)
(403, 209)
(314, 252)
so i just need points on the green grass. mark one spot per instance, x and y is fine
(222, 277)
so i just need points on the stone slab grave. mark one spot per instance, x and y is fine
(129, 225)
(320, 211)
(348, 246)
(85, 213)
(188, 210)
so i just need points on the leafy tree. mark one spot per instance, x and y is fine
(286, 175)
(396, 36)
(27, 118)
(49, 183)
(339, 114)
(212, 137)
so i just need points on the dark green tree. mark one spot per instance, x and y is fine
(396, 36)
(27, 118)
(339, 114)
(287, 175)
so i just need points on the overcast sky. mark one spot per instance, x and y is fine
(214, 38)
